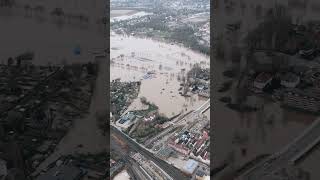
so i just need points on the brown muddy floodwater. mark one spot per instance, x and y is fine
(49, 42)
(263, 137)
(132, 58)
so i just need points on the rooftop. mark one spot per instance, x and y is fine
(190, 166)
(127, 117)
(263, 77)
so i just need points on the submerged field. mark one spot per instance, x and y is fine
(133, 57)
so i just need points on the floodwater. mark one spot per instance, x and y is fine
(269, 138)
(264, 137)
(132, 58)
(49, 42)
(52, 44)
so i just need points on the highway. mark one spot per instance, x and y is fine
(203, 107)
(288, 155)
(169, 169)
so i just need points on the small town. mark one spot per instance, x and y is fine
(182, 136)
(39, 105)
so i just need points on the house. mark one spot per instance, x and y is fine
(290, 80)
(128, 117)
(179, 148)
(205, 93)
(261, 81)
(25, 59)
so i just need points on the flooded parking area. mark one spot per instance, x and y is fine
(158, 66)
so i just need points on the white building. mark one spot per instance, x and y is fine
(190, 166)
(290, 80)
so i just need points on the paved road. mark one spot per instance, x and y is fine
(169, 169)
(132, 166)
(203, 107)
(280, 160)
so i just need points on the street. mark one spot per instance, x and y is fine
(169, 169)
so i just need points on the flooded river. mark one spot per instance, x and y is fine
(132, 58)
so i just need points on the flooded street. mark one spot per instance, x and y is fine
(132, 58)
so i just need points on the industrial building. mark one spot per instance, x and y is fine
(190, 166)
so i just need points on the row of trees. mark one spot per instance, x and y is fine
(184, 34)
